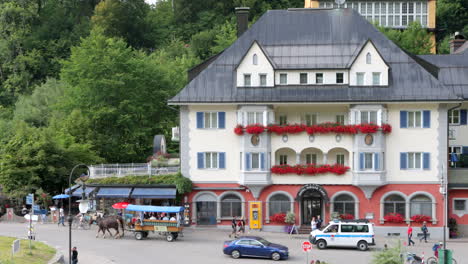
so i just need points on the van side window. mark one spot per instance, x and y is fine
(362, 229)
(347, 228)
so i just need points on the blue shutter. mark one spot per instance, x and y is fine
(222, 120)
(247, 161)
(426, 119)
(361, 161)
(201, 160)
(463, 117)
(403, 160)
(200, 120)
(222, 160)
(426, 161)
(376, 162)
(403, 119)
(262, 161)
(465, 150)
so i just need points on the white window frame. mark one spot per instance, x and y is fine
(311, 119)
(214, 164)
(452, 117)
(250, 79)
(211, 116)
(255, 59)
(366, 154)
(307, 78)
(358, 74)
(283, 159)
(260, 76)
(414, 124)
(313, 156)
(415, 161)
(338, 118)
(285, 75)
(453, 149)
(460, 212)
(317, 76)
(374, 74)
(258, 160)
(338, 155)
(282, 119)
(342, 77)
(368, 58)
(257, 116)
(369, 116)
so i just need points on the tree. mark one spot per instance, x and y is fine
(452, 16)
(389, 256)
(413, 39)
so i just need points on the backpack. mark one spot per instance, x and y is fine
(435, 247)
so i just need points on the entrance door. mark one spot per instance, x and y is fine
(311, 205)
(206, 213)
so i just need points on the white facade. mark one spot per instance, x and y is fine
(369, 62)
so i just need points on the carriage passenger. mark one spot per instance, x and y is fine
(173, 219)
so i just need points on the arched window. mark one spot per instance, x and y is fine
(344, 204)
(231, 206)
(255, 59)
(368, 58)
(279, 203)
(206, 209)
(421, 205)
(394, 204)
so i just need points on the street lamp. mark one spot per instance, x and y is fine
(70, 218)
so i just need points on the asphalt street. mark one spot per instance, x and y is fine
(198, 245)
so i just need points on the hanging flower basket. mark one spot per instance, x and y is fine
(420, 218)
(239, 130)
(309, 169)
(394, 218)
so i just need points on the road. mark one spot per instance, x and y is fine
(200, 245)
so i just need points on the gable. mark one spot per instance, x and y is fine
(263, 66)
(361, 65)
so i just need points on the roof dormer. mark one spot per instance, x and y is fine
(368, 67)
(255, 68)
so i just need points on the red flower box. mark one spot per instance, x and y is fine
(254, 129)
(420, 218)
(368, 128)
(309, 169)
(278, 218)
(346, 216)
(394, 218)
(239, 130)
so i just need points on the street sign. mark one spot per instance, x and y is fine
(29, 198)
(34, 217)
(306, 246)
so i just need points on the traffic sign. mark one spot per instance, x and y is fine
(306, 246)
(29, 198)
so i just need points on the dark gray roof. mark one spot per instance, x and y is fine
(453, 71)
(313, 38)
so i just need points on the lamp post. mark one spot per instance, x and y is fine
(70, 218)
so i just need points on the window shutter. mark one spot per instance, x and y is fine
(222, 120)
(199, 119)
(426, 160)
(426, 119)
(361, 161)
(463, 117)
(262, 161)
(222, 160)
(201, 160)
(247, 161)
(376, 162)
(403, 160)
(465, 150)
(403, 119)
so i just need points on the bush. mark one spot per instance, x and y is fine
(290, 218)
(389, 256)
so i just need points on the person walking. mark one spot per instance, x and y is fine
(241, 225)
(410, 235)
(61, 217)
(313, 223)
(319, 222)
(424, 230)
(234, 228)
(74, 256)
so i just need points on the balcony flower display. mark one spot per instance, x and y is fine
(394, 218)
(239, 130)
(255, 129)
(386, 128)
(346, 216)
(420, 218)
(309, 169)
(368, 128)
(279, 218)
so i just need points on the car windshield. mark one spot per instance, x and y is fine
(263, 241)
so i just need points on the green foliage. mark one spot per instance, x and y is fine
(183, 184)
(444, 46)
(414, 38)
(452, 16)
(389, 256)
(290, 218)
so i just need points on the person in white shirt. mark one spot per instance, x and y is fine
(173, 219)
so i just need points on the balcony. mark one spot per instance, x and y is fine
(458, 177)
(133, 169)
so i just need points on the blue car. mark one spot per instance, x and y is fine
(253, 246)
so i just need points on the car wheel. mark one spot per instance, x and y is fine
(170, 237)
(362, 245)
(321, 244)
(275, 256)
(235, 254)
(138, 235)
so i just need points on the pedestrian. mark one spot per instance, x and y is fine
(241, 225)
(61, 216)
(234, 228)
(24, 211)
(410, 235)
(74, 256)
(424, 230)
(313, 223)
(319, 222)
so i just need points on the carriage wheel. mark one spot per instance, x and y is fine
(145, 234)
(138, 235)
(176, 235)
(170, 237)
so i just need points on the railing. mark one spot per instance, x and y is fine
(458, 175)
(122, 170)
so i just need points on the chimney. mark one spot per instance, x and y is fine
(242, 14)
(457, 42)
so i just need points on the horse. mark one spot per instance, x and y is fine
(113, 221)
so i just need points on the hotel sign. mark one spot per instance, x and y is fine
(313, 188)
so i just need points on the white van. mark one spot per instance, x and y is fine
(345, 233)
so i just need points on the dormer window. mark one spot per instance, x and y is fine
(339, 77)
(255, 59)
(303, 78)
(247, 80)
(368, 58)
(376, 78)
(283, 78)
(263, 79)
(319, 78)
(360, 78)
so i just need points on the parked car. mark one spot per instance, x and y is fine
(253, 246)
(345, 233)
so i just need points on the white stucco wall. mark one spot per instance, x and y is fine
(247, 67)
(329, 76)
(460, 132)
(377, 65)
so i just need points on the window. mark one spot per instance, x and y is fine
(279, 203)
(421, 205)
(331, 229)
(339, 77)
(368, 58)
(394, 204)
(369, 117)
(359, 78)
(303, 78)
(340, 159)
(255, 161)
(283, 119)
(340, 119)
(263, 79)
(247, 80)
(368, 161)
(454, 117)
(414, 160)
(354, 228)
(243, 242)
(319, 78)
(344, 204)
(211, 160)
(231, 206)
(255, 59)
(211, 120)
(310, 119)
(283, 159)
(283, 78)
(414, 119)
(311, 158)
(254, 118)
(376, 78)
(459, 205)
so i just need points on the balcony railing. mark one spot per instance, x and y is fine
(134, 169)
(458, 176)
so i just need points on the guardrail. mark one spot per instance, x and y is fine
(134, 169)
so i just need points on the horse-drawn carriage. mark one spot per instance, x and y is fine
(168, 228)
